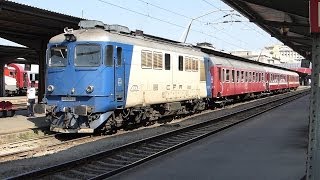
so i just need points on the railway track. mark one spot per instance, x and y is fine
(110, 162)
(42, 145)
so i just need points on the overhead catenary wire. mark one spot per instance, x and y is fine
(159, 7)
(206, 23)
(241, 23)
(165, 21)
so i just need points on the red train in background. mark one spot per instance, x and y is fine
(17, 80)
(238, 79)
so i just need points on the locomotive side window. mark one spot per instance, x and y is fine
(202, 71)
(180, 63)
(109, 55)
(119, 56)
(188, 64)
(157, 60)
(167, 61)
(58, 56)
(87, 55)
(197, 64)
(194, 64)
(146, 59)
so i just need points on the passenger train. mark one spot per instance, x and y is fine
(103, 77)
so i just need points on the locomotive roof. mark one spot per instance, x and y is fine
(98, 34)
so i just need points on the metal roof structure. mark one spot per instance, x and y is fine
(9, 54)
(30, 26)
(286, 20)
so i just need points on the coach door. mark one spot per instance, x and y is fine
(267, 81)
(218, 81)
(119, 78)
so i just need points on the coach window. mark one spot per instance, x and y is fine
(259, 78)
(167, 61)
(238, 76)
(232, 76)
(253, 76)
(180, 63)
(87, 55)
(227, 75)
(109, 55)
(119, 56)
(246, 76)
(242, 77)
(219, 74)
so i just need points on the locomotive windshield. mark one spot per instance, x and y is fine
(58, 56)
(87, 55)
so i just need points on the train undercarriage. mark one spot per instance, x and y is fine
(81, 120)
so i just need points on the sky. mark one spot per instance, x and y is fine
(168, 19)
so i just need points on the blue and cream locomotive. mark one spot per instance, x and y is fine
(104, 76)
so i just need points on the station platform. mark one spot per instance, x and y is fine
(270, 146)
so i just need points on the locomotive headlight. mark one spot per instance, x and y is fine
(50, 88)
(89, 89)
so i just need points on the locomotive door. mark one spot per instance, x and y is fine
(119, 77)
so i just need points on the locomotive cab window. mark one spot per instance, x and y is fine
(109, 55)
(87, 55)
(58, 56)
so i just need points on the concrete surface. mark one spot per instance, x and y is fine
(21, 122)
(270, 146)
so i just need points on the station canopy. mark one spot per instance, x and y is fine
(286, 20)
(30, 26)
(10, 54)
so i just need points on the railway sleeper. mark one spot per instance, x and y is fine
(117, 161)
(82, 174)
(62, 177)
(106, 164)
(97, 169)
(149, 149)
(137, 154)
